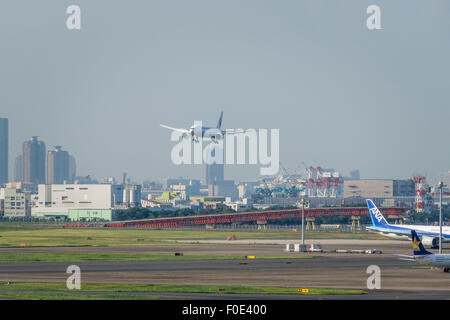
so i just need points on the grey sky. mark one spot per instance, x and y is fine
(341, 95)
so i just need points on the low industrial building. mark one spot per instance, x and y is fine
(225, 188)
(213, 203)
(131, 195)
(187, 190)
(384, 192)
(240, 205)
(378, 188)
(56, 200)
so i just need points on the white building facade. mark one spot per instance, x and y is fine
(16, 203)
(57, 199)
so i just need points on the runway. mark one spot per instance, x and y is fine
(399, 279)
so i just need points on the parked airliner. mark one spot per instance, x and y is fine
(429, 234)
(425, 257)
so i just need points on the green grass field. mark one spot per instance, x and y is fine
(45, 237)
(15, 235)
(70, 296)
(53, 290)
(25, 257)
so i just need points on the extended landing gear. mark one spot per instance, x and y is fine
(446, 269)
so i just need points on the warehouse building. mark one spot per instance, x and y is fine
(384, 192)
(378, 188)
(85, 200)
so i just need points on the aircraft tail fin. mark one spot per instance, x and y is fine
(375, 215)
(418, 247)
(219, 124)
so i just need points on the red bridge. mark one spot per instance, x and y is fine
(245, 217)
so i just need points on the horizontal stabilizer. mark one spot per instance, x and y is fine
(404, 257)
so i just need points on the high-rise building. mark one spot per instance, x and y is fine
(212, 173)
(58, 162)
(18, 168)
(72, 168)
(3, 151)
(34, 161)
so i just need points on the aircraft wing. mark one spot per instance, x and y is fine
(405, 257)
(175, 129)
(236, 131)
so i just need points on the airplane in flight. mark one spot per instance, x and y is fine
(425, 257)
(200, 131)
(429, 234)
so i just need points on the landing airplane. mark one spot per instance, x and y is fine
(429, 234)
(425, 257)
(200, 131)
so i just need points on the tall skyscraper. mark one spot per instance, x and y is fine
(34, 161)
(18, 168)
(3, 150)
(212, 173)
(72, 168)
(58, 162)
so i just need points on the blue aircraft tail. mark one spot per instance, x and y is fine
(418, 248)
(219, 124)
(377, 218)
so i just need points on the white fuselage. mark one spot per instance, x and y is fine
(401, 231)
(198, 132)
(434, 229)
(435, 260)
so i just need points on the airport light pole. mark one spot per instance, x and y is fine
(440, 185)
(303, 221)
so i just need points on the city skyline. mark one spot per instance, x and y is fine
(4, 150)
(34, 161)
(35, 164)
(342, 96)
(202, 173)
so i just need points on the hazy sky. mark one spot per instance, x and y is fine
(341, 95)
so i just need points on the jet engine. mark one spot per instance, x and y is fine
(431, 242)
